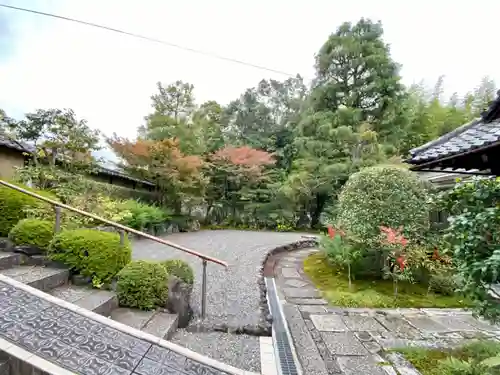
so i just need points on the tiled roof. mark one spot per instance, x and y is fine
(468, 137)
(477, 134)
(15, 145)
(23, 147)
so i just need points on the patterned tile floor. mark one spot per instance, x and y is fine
(83, 345)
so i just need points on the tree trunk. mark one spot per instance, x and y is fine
(318, 207)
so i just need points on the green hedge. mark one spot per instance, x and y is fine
(179, 268)
(34, 232)
(14, 206)
(91, 253)
(143, 285)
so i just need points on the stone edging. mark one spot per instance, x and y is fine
(264, 327)
(266, 318)
(56, 370)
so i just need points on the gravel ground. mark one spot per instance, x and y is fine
(240, 351)
(232, 294)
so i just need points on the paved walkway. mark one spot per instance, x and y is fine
(332, 340)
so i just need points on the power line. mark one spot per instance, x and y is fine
(209, 54)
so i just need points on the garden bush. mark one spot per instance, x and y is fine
(443, 284)
(15, 206)
(33, 232)
(383, 196)
(142, 215)
(91, 253)
(180, 269)
(474, 235)
(143, 285)
(99, 205)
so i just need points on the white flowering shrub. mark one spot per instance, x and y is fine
(387, 196)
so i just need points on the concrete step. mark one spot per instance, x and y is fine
(9, 260)
(39, 277)
(158, 323)
(99, 301)
(162, 324)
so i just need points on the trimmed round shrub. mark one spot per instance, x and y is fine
(443, 284)
(180, 269)
(14, 206)
(33, 232)
(91, 253)
(143, 285)
(383, 195)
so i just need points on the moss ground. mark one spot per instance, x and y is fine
(368, 293)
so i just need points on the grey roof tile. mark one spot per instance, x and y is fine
(15, 145)
(24, 147)
(468, 137)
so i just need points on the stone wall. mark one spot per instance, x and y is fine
(10, 365)
(9, 161)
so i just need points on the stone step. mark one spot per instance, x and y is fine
(162, 325)
(158, 323)
(99, 301)
(9, 260)
(39, 277)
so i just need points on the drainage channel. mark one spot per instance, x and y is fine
(282, 340)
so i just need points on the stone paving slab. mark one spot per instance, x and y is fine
(343, 343)
(301, 293)
(310, 358)
(357, 340)
(362, 323)
(360, 365)
(328, 323)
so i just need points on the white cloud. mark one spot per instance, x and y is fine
(108, 78)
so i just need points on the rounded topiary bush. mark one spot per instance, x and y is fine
(32, 232)
(143, 285)
(91, 253)
(180, 269)
(383, 195)
(13, 206)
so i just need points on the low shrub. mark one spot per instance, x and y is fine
(33, 232)
(143, 285)
(91, 253)
(180, 269)
(443, 284)
(142, 215)
(99, 205)
(15, 206)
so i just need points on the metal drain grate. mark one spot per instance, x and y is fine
(281, 338)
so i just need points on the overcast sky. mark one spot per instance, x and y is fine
(108, 78)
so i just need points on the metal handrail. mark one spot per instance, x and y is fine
(57, 205)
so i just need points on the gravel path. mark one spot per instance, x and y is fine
(240, 351)
(233, 294)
